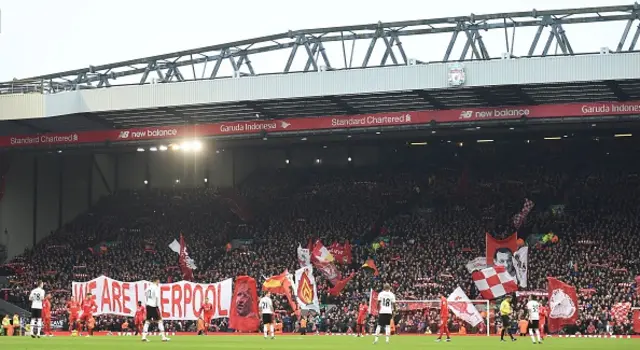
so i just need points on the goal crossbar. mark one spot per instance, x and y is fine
(480, 305)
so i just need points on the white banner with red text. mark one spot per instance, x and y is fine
(178, 301)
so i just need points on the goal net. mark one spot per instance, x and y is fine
(423, 316)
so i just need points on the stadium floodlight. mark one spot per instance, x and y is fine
(163, 148)
(318, 160)
(206, 180)
(418, 143)
(622, 135)
(140, 149)
(153, 149)
(174, 147)
(349, 159)
(286, 161)
(194, 146)
(146, 182)
(484, 141)
(177, 181)
(553, 138)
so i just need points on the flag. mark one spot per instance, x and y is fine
(500, 246)
(335, 291)
(373, 302)
(521, 264)
(280, 285)
(462, 307)
(478, 263)
(494, 282)
(636, 321)
(620, 311)
(306, 289)
(563, 305)
(370, 265)
(520, 218)
(304, 256)
(243, 315)
(186, 264)
(324, 262)
(341, 252)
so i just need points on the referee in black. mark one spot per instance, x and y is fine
(505, 312)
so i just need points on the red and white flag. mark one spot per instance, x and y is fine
(462, 307)
(494, 282)
(519, 218)
(620, 311)
(304, 256)
(636, 321)
(187, 265)
(563, 304)
(373, 302)
(324, 262)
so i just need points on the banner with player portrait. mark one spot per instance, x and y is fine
(521, 265)
(178, 300)
(244, 306)
(500, 253)
(306, 290)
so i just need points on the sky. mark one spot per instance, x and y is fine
(47, 36)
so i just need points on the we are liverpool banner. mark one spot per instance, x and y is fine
(390, 119)
(178, 301)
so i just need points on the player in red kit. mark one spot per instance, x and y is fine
(46, 315)
(89, 306)
(74, 310)
(363, 310)
(138, 320)
(444, 319)
(207, 314)
(544, 312)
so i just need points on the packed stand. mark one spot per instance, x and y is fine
(435, 215)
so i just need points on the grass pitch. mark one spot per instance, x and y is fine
(309, 342)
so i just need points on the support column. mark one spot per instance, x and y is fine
(60, 191)
(35, 202)
(92, 160)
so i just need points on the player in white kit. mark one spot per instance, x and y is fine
(36, 297)
(266, 310)
(152, 306)
(387, 302)
(533, 310)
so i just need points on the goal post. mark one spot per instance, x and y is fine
(482, 306)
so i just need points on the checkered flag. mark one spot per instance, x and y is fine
(519, 218)
(494, 282)
(620, 311)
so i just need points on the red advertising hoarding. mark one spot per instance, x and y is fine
(390, 119)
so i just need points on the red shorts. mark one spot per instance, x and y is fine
(207, 318)
(139, 321)
(85, 317)
(360, 321)
(46, 319)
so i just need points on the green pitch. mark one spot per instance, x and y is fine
(309, 342)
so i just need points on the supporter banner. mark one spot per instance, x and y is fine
(636, 321)
(304, 256)
(521, 264)
(500, 252)
(327, 122)
(306, 289)
(178, 301)
(478, 263)
(324, 261)
(563, 304)
(244, 307)
(494, 282)
(620, 311)
(462, 307)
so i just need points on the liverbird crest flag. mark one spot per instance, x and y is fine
(306, 289)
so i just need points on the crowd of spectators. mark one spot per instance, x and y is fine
(433, 208)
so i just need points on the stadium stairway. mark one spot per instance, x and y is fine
(7, 308)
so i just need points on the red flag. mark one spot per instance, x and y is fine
(373, 302)
(244, 305)
(280, 285)
(335, 291)
(371, 266)
(500, 251)
(323, 260)
(636, 321)
(341, 252)
(563, 305)
(187, 272)
(494, 282)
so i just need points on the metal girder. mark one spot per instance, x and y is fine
(430, 99)
(335, 48)
(615, 88)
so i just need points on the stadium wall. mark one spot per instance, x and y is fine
(45, 191)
